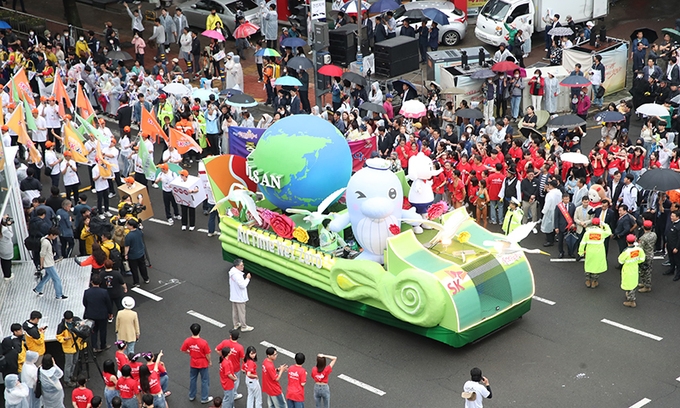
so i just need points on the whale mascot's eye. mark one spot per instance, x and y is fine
(392, 193)
(360, 194)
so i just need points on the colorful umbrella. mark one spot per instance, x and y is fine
(267, 52)
(331, 70)
(413, 109)
(351, 7)
(216, 35)
(504, 66)
(245, 30)
(287, 80)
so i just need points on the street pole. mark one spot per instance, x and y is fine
(360, 58)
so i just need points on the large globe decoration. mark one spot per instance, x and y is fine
(304, 155)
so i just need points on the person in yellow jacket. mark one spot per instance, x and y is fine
(630, 258)
(68, 345)
(212, 20)
(82, 50)
(35, 335)
(513, 218)
(165, 109)
(592, 246)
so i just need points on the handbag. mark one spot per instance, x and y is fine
(600, 92)
(37, 391)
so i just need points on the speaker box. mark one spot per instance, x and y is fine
(322, 81)
(343, 44)
(396, 56)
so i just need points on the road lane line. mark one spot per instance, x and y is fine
(566, 260)
(206, 319)
(203, 230)
(659, 257)
(147, 294)
(546, 301)
(677, 379)
(641, 403)
(363, 385)
(632, 330)
(279, 349)
(157, 221)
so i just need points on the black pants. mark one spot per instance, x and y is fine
(188, 216)
(141, 179)
(169, 200)
(89, 172)
(259, 71)
(55, 180)
(137, 267)
(560, 242)
(622, 244)
(72, 192)
(214, 141)
(550, 237)
(304, 98)
(99, 328)
(6, 267)
(103, 201)
(118, 303)
(50, 137)
(501, 107)
(423, 51)
(270, 43)
(14, 5)
(67, 244)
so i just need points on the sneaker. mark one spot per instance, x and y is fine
(206, 401)
(184, 227)
(171, 221)
(108, 214)
(192, 228)
(178, 217)
(535, 231)
(238, 396)
(191, 399)
(210, 234)
(93, 191)
(111, 195)
(154, 185)
(38, 293)
(136, 285)
(205, 213)
(110, 320)
(63, 297)
(237, 325)
(247, 328)
(146, 281)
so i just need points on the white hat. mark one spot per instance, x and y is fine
(590, 24)
(576, 139)
(175, 60)
(128, 302)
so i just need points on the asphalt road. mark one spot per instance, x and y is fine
(560, 354)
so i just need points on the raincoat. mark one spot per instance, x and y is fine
(52, 390)
(16, 393)
(592, 245)
(630, 258)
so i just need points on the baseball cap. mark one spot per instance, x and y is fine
(130, 180)
(126, 129)
(163, 166)
(184, 173)
(596, 221)
(49, 144)
(630, 238)
(68, 154)
(647, 224)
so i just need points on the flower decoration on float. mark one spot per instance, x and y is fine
(282, 225)
(463, 237)
(301, 235)
(436, 210)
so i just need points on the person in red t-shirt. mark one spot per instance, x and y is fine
(320, 373)
(227, 376)
(297, 378)
(82, 396)
(494, 183)
(127, 387)
(121, 356)
(150, 382)
(110, 379)
(438, 183)
(457, 189)
(199, 353)
(236, 357)
(250, 368)
(270, 380)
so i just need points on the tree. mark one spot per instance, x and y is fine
(71, 13)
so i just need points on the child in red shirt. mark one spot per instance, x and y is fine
(227, 377)
(82, 396)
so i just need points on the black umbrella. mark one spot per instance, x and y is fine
(471, 114)
(242, 100)
(530, 132)
(231, 91)
(566, 121)
(373, 107)
(300, 63)
(609, 116)
(398, 85)
(575, 81)
(118, 55)
(355, 78)
(483, 74)
(659, 180)
(647, 33)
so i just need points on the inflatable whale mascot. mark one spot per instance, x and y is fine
(421, 196)
(374, 204)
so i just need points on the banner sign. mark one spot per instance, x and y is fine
(242, 140)
(361, 151)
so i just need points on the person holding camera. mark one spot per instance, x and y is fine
(476, 389)
(69, 346)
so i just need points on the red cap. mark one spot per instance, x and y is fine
(68, 154)
(34, 111)
(11, 106)
(596, 221)
(130, 180)
(43, 99)
(49, 144)
(5, 128)
(647, 224)
(630, 238)
(195, 108)
(162, 96)
(163, 166)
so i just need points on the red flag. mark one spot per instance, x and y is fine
(361, 151)
(83, 103)
(60, 94)
(150, 126)
(183, 143)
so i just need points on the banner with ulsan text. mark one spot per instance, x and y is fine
(242, 140)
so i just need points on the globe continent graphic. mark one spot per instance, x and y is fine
(310, 153)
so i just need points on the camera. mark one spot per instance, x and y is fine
(132, 209)
(6, 221)
(83, 328)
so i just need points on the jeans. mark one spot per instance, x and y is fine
(636, 174)
(130, 403)
(497, 206)
(68, 366)
(205, 382)
(597, 101)
(164, 379)
(51, 273)
(131, 347)
(159, 401)
(295, 404)
(514, 104)
(322, 395)
(212, 219)
(109, 395)
(169, 200)
(275, 401)
(254, 393)
(237, 382)
(228, 399)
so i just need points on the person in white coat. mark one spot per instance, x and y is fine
(238, 294)
(181, 23)
(52, 390)
(552, 199)
(237, 72)
(29, 376)
(185, 41)
(170, 29)
(228, 68)
(375, 95)
(270, 24)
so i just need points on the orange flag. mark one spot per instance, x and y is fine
(34, 154)
(83, 103)
(104, 166)
(2, 117)
(150, 125)
(21, 82)
(73, 144)
(17, 123)
(182, 142)
(60, 94)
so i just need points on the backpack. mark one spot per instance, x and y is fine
(116, 257)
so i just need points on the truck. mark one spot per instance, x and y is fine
(491, 29)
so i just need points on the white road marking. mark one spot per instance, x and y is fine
(659, 257)
(641, 403)
(632, 330)
(566, 260)
(546, 301)
(147, 294)
(206, 319)
(279, 349)
(363, 385)
(113, 209)
(677, 379)
(203, 230)
(157, 221)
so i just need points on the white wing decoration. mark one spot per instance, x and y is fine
(240, 195)
(521, 232)
(315, 218)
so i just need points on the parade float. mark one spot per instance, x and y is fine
(454, 281)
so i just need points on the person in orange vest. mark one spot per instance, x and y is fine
(268, 74)
(185, 126)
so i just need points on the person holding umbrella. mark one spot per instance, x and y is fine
(423, 34)
(433, 39)
(639, 40)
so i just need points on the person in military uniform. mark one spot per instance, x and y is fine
(513, 218)
(630, 258)
(647, 242)
(592, 247)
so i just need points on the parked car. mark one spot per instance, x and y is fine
(449, 34)
(197, 12)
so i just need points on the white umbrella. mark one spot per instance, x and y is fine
(176, 88)
(202, 94)
(413, 109)
(576, 158)
(652, 109)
